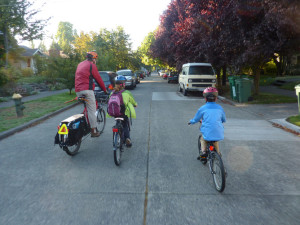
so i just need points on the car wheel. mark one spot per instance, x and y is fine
(179, 88)
(184, 91)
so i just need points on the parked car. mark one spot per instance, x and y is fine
(130, 78)
(173, 77)
(196, 77)
(107, 82)
(161, 72)
(137, 77)
(165, 76)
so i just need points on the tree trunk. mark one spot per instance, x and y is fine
(6, 46)
(224, 77)
(218, 70)
(256, 79)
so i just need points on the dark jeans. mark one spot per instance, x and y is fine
(126, 128)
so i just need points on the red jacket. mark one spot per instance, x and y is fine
(84, 77)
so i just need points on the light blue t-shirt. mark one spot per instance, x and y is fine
(213, 117)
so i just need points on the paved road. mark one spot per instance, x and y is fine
(159, 181)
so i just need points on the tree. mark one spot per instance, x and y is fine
(145, 53)
(66, 36)
(228, 33)
(17, 18)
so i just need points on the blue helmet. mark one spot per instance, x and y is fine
(120, 77)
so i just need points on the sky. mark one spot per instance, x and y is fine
(137, 17)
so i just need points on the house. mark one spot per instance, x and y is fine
(27, 57)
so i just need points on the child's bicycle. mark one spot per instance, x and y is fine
(118, 140)
(72, 130)
(215, 163)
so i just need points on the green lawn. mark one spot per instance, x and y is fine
(294, 120)
(34, 109)
(268, 98)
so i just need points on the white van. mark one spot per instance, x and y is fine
(196, 77)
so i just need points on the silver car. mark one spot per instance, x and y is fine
(130, 78)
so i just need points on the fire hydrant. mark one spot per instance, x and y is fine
(19, 104)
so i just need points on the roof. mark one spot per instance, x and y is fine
(30, 51)
(196, 64)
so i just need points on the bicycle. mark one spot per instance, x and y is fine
(216, 165)
(72, 130)
(118, 140)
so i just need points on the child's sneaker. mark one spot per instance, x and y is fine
(128, 143)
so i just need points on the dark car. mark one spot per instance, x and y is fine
(107, 82)
(173, 77)
(130, 78)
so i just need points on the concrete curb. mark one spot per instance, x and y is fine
(284, 124)
(34, 122)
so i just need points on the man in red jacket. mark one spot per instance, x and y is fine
(84, 86)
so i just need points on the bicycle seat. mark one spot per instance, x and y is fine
(81, 99)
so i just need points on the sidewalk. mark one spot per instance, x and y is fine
(274, 113)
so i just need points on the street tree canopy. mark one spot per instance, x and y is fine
(17, 17)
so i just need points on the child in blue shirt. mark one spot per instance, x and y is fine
(212, 116)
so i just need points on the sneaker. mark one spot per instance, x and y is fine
(203, 154)
(128, 143)
(95, 133)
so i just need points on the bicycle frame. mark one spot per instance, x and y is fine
(210, 149)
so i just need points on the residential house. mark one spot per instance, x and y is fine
(27, 57)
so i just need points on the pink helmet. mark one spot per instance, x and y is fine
(210, 91)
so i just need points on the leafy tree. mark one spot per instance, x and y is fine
(17, 18)
(63, 70)
(228, 33)
(66, 36)
(145, 53)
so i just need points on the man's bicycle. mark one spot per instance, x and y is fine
(215, 163)
(73, 130)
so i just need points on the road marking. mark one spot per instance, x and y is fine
(173, 96)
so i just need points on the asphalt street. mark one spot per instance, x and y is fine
(159, 180)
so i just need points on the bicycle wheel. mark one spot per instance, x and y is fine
(101, 120)
(72, 150)
(203, 160)
(117, 148)
(218, 172)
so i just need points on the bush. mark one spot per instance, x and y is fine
(270, 69)
(27, 72)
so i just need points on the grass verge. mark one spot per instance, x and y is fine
(268, 98)
(33, 110)
(294, 120)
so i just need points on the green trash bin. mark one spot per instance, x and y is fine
(243, 89)
(231, 80)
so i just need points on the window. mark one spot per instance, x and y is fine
(104, 76)
(201, 70)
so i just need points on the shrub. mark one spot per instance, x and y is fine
(27, 72)
(270, 69)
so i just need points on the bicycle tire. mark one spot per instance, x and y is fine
(72, 150)
(101, 120)
(218, 172)
(117, 148)
(203, 161)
